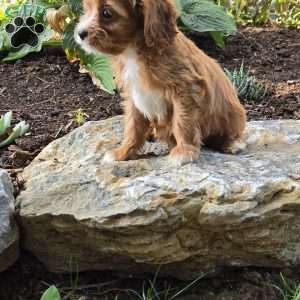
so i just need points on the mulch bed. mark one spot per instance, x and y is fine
(27, 280)
(44, 89)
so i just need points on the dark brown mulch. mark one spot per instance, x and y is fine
(44, 89)
(27, 279)
(273, 56)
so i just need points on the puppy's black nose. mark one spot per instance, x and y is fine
(83, 34)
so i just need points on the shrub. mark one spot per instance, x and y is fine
(285, 13)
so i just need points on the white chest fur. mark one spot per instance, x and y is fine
(149, 102)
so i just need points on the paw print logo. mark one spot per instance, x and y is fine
(24, 31)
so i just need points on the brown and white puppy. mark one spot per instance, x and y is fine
(169, 85)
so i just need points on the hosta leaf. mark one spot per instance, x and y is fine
(218, 38)
(50, 3)
(76, 6)
(99, 66)
(178, 5)
(51, 293)
(2, 37)
(68, 37)
(205, 16)
(24, 10)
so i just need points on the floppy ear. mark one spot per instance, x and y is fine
(159, 17)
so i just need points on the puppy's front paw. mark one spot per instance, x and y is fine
(109, 157)
(180, 156)
(119, 154)
(235, 147)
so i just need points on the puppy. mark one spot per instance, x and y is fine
(169, 85)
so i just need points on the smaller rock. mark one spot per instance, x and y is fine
(9, 233)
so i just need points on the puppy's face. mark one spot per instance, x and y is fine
(107, 26)
(110, 26)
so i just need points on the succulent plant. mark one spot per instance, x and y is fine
(8, 136)
(247, 86)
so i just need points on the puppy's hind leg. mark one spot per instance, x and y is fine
(233, 144)
(234, 147)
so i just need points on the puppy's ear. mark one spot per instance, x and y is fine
(159, 17)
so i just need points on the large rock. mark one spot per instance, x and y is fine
(9, 234)
(225, 210)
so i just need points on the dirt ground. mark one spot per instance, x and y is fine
(44, 89)
(28, 278)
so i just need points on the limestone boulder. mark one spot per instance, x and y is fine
(222, 211)
(9, 234)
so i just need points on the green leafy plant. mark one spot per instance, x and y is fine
(151, 292)
(284, 13)
(288, 291)
(255, 12)
(51, 293)
(206, 17)
(287, 12)
(8, 136)
(246, 85)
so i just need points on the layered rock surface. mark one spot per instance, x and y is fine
(9, 234)
(224, 210)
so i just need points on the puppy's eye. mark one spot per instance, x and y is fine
(107, 13)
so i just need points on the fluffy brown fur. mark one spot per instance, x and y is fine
(169, 86)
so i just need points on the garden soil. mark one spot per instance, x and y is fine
(45, 89)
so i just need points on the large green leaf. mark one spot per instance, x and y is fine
(76, 6)
(50, 3)
(205, 16)
(2, 39)
(100, 67)
(218, 38)
(51, 293)
(178, 4)
(35, 10)
(68, 37)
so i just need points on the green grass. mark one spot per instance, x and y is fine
(150, 290)
(287, 290)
